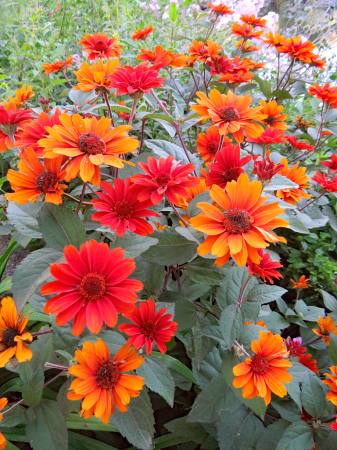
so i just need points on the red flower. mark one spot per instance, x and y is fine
(93, 287)
(265, 169)
(202, 51)
(268, 137)
(302, 283)
(58, 66)
(265, 268)
(120, 210)
(326, 93)
(148, 326)
(325, 183)
(159, 58)
(251, 20)
(139, 80)
(228, 166)
(220, 9)
(31, 132)
(332, 165)
(245, 31)
(164, 178)
(300, 145)
(294, 346)
(100, 46)
(208, 144)
(237, 77)
(142, 34)
(10, 119)
(219, 65)
(334, 425)
(309, 363)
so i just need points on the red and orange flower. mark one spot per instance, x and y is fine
(101, 381)
(97, 76)
(220, 9)
(92, 286)
(265, 268)
(266, 371)
(326, 93)
(254, 21)
(296, 48)
(330, 185)
(265, 170)
(120, 209)
(208, 144)
(326, 326)
(142, 33)
(10, 119)
(246, 31)
(242, 226)
(159, 57)
(302, 283)
(202, 52)
(58, 66)
(332, 166)
(12, 334)
(299, 145)
(236, 78)
(274, 40)
(297, 175)
(246, 47)
(309, 363)
(332, 384)
(100, 46)
(274, 117)
(22, 96)
(228, 166)
(269, 137)
(164, 178)
(149, 327)
(219, 65)
(34, 180)
(3, 443)
(294, 347)
(90, 143)
(231, 113)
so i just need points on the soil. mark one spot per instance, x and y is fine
(15, 258)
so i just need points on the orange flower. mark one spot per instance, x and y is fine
(21, 96)
(237, 78)
(246, 47)
(58, 66)
(245, 31)
(299, 145)
(30, 133)
(231, 113)
(159, 57)
(301, 284)
(297, 175)
(96, 77)
(302, 124)
(242, 227)
(268, 137)
(101, 382)
(13, 334)
(220, 9)
(265, 372)
(274, 117)
(332, 383)
(316, 62)
(3, 403)
(326, 93)
(208, 144)
(183, 201)
(309, 363)
(326, 326)
(251, 20)
(10, 119)
(92, 287)
(202, 51)
(34, 180)
(159, 226)
(100, 46)
(219, 65)
(259, 322)
(178, 60)
(274, 41)
(295, 48)
(142, 34)
(265, 268)
(90, 143)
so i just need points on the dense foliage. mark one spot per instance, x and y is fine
(176, 186)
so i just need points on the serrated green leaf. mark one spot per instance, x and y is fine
(287, 409)
(228, 293)
(175, 365)
(297, 436)
(133, 245)
(23, 217)
(282, 94)
(231, 323)
(333, 349)
(193, 431)
(265, 293)
(204, 271)
(313, 396)
(272, 435)
(329, 300)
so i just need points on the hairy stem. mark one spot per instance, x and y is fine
(81, 199)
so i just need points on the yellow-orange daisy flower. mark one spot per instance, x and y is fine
(208, 144)
(202, 51)
(3, 443)
(254, 21)
(302, 283)
(91, 143)
(13, 334)
(22, 96)
(142, 33)
(296, 48)
(332, 384)
(246, 47)
(326, 326)
(297, 175)
(101, 381)
(100, 46)
(274, 117)
(183, 201)
(96, 76)
(246, 31)
(243, 224)
(237, 77)
(220, 9)
(58, 66)
(231, 113)
(274, 40)
(34, 180)
(266, 371)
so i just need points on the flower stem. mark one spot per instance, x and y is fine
(65, 76)
(81, 199)
(244, 288)
(184, 146)
(106, 98)
(306, 344)
(242, 349)
(297, 295)
(75, 199)
(209, 312)
(142, 137)
(160, 103)
(312, 201)
(177, 213)
(132, 111)
(39, 333)
(221, 142)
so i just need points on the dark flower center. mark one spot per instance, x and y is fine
(107, 375)
(8, 337)
(123, 210)
(260, 365)
(270, 120)
(91, 144)
(148, 329)
(229, 114)
(46, 182)
(92, 286)
(231, 174)
(237, 221)
(101, 46)
(162, 180)
(212, 147)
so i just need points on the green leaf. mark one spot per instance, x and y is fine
(45, 424)
(65, 405)
(112, 339)
(216, 397)
(192, 209)
(158, 379)
(14, 417)
(172, 248)
(80, 442)
(145, 115)
(204, 271)
(137, 424)
(250, 333)
(264, 86)
(63, 337)
(232, 321)
(273, 321)
(272, 435)
(282, 94)
(326, 440)
(280, 182)
(333, 349)
(209, 369)
(5, 285)
(329, 300)
(175, 365)
(23, 217)
(193, 431)
(5, 256)
(31, 273)
(238, 430)
(313, 396)
(173, 14)
(265, 293)
(133, 245)
(287, 409)
(297, 436)
(231, 286)
(76, 422)
(60, 226)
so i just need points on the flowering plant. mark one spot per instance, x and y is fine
(162, 203)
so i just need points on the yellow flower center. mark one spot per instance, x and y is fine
(237, 221)
(91, 144)
(107, 375)
(92, 286)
